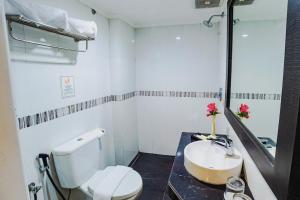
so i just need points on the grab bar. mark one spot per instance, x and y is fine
(21, 20)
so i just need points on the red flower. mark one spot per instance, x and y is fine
(244, 108)
(243, 111)
(212, 109)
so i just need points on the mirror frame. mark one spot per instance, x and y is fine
(280, 172)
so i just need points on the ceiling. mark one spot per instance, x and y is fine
(145, 13)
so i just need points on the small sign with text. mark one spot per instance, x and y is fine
(67, 86)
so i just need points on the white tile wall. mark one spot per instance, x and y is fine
(266, 45)
(36, 86)
(164, 63)
(122, 61)
(189, 64)
(161, 120)
(258, 54)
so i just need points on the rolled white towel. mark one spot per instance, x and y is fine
(86, 28)
(109, 183)
(40, 13)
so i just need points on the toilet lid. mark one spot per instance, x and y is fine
(130, 185)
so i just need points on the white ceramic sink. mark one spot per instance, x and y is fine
(209, 163)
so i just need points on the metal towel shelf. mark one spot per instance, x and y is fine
(27, 22)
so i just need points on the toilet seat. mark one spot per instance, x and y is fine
(130, 186)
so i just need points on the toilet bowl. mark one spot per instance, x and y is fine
(80, 163)
(129, 188)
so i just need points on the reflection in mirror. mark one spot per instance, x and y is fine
(259, 30)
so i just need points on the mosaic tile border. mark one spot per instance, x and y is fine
(179, 94)
(256, 96)
(42, 117)
(45, 116)
(123, 97)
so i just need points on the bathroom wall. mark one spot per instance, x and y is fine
(256, 55)
(36, 74)
(11, 171)
(177, 68)
(122, 61)
(258, 186)
(166, 104)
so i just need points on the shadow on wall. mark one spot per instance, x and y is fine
(24, 52)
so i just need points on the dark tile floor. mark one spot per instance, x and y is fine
(155, 171)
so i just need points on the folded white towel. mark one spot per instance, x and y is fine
(87, 28)
(108, 184)
(51, 16)
(40, 13)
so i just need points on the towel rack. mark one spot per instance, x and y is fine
(24, 21)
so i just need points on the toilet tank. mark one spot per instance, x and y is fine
(79, 159)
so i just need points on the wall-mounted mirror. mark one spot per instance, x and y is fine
(263, 75)
(258, 50)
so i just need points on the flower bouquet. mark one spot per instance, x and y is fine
(212, 111)
(243, 111)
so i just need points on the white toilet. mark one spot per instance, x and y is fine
(78, 165)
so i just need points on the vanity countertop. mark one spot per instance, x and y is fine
(183, 186)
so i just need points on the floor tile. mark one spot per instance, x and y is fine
(155, 171)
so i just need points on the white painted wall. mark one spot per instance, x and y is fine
(258, 186)
(165, 63)
(122, 59)
(35, 74)
(11, 171)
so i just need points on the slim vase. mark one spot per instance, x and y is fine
(213, 126)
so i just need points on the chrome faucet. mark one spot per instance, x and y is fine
(226, 143)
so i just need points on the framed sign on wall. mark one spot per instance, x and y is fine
(67, 86)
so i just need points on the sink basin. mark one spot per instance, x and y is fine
(209, 163)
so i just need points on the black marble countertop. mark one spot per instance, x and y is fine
(183, 186)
